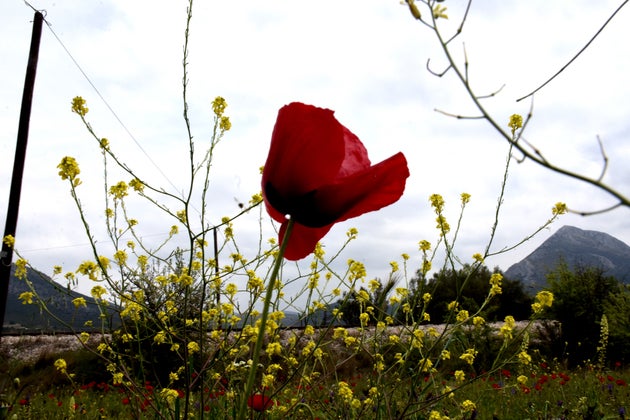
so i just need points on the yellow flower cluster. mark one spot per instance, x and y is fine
(468, 406)
(469, 356)
(9, 241)
(559, 208)
(61, 365)
(439, 11)
(356, 269)
(516, 122)
(462, 316)
(119, 190)
(224, 123)
(170, 395)
(20, 268)
(90, 269)
(79, 302)
(495, 282)
(218, 106)
(524, 358)
(26, 298)
(69, 169)
(508, 327)
(97, 292)
(437, 202)
(78, 106)
(544, 299)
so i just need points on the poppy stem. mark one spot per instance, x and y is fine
(263, 320)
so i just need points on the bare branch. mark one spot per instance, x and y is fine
(461, 25)
(460, 117)
(523, 146)
(604, 157)
(578, 54)
(490, 95)
(594, 212)
(440, 74)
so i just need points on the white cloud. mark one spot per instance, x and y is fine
(364, 60)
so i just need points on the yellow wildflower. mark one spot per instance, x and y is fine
(79, 302)
(61, 365)
(545, 298)
(439, 12)
(469, 356)
(559, 208)
(9, 240)
(193, 347)
(224, 123)
(78, 106)
(218, 106)
(468, 406)
(26, 298)
(20, 268)
(97, 292)
(137, 185)
(460, 376)
(69, 169)
(516, 122)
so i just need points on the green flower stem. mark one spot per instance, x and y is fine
(263, 321)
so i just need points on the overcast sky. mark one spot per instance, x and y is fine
(365, 60)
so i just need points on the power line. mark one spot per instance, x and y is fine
(122, 124)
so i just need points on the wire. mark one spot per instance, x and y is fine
(122, 124)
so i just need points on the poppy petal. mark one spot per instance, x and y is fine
(365, 191)
(307, 149)
(302, 240)
(356, 155)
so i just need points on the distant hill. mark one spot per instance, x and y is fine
(21, 318)
(575, 247)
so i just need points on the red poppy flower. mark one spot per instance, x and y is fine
(319, 173)
(259, 402)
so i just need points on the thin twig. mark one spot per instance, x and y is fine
(440, 74)
(604, 157)
(536, 156)
(460, 117)
(576, 55)
(594, 212)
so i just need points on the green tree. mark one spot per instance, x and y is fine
(470, 285)
(580, 298)
(617, 310)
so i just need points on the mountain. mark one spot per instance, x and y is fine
(21, 318)
(576, 247)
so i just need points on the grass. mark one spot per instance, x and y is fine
(539, 392)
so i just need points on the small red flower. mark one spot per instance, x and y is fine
(125, 401)
(319, 173)
(259, 402)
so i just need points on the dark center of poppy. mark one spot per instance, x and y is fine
(305, 209)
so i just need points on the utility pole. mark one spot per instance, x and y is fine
(6, 256)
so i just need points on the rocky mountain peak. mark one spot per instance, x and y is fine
(575, 247)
